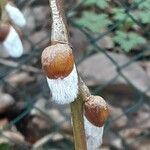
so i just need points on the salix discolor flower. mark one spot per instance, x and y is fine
(67, 87)
(10, 39)
(96, 114)
(94, 135)
(58, 62)
(96, 110)
(15, 15)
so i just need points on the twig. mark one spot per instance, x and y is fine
(59, 31)
(2, 5)
(59, 35)
(78, 125)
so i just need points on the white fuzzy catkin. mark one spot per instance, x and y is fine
(64, 91)
(13, 44)
(93, 135)
(15, 15)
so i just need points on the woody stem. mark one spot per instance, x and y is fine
(59, 34)
(2, 5)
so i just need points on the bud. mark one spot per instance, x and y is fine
(13, 44)
(4, 30)
(96, 110)
(15, 14)
(93, 135)
(64, 91)
(57, 61)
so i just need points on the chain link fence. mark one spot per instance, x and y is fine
(42, 125)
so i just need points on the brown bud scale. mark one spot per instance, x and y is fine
(4, 30)
(96, 110)
(57, 61)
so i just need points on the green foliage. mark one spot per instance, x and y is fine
(99, 3)
(93, 21)
(120, 15)
(144, 16)
(143, 13)
(144, 4)
(128, 41)
(5, 146)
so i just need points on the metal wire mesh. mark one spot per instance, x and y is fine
(29, 93)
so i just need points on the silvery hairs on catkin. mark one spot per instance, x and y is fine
(93, 134)
(64, 91)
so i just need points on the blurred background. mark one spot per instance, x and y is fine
(110, 40)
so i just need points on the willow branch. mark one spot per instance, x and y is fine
(59, 34)
(2, 6)
(59, 30)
